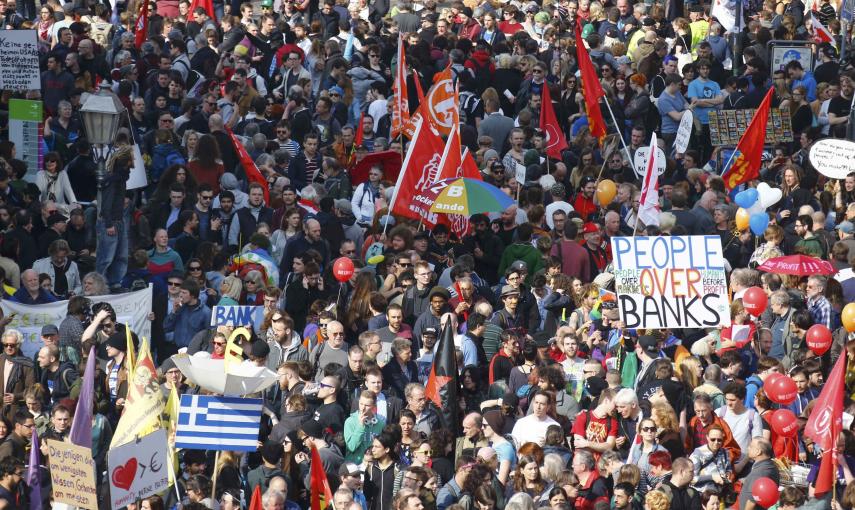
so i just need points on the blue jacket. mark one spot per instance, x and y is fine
(23, 297)
(187, 322)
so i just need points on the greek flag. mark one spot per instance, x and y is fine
(218, 423)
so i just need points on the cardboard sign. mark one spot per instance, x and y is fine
(19, 60)
(72, 474)
(137, 177)
(671, 282)
(684, 132)
(138, 469)
(519, 173)
(833, 157)
(640, 161)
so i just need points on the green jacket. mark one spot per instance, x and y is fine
(810, 246)
(525, 252)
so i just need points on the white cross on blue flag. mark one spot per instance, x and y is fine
(218, 423)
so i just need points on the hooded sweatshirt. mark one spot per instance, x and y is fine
(279, 354)
(229, 182)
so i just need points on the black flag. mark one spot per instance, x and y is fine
(443, 383)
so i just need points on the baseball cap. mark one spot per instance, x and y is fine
(335, 89)
(846, 227)
(49, 329)
(541, 339)
(56, 218)
(648, 343)
(312, 428)
(349, 469)
(590, 228)
(519, 265)
(430, 330)
(343, 205)
(267, 3)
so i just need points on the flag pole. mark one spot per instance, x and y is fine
(619, 133)
(216, 469)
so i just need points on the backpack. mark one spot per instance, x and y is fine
(376, 249)
(481, 75)
(599, 60)
(162, 160)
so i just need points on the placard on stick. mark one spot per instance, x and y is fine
(19, 60)
(72, 474)
(673, 282)
(138, 469)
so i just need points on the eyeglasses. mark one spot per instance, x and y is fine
(606, 69)
(424, 452)
(405, 264)
(536, 71)
(322, 385)
(219, 343)
(715, 440)
(374, 56)
(323, 325)
(206, 197)
(174, 284)
(195, 268)
(12, 345)
(648, 429)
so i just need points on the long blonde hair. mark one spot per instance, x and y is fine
(686, 372)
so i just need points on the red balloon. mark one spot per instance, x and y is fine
(782, 390)
(755, 300)
(765, 492)
(342, 269)
(770, 379)
(783, 422)
(818, 339)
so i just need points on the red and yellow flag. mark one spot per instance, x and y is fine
(592, 91)
(321, 493)
(745, 161)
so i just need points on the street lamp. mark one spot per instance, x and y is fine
(101, 113)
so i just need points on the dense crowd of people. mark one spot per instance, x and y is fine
(560, 404)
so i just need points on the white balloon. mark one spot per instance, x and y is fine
(758, 207)
(768, 195)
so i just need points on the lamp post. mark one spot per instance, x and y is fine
(101, 113)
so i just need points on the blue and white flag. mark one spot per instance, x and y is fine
(218, 423)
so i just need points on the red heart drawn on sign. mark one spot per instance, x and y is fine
(123, 476)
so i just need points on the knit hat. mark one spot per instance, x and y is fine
(541, 17)
(313, 429)
(490, 153)
(495, 420)
(439, 291)
(118, 340)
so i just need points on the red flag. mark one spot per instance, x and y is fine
(820, 33)
(419, 170)
(321, 492)
(450, 166)
(141, 29)
(401, 106)
(253, 174)
(745, 161)
(592, 91)
(208, 5)
(360, 131)
(443, 382)
(555, 141)
(826, 422)
(648, 208)
(255, 502)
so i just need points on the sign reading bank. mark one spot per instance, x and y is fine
(670, 282)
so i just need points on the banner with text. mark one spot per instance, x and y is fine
(72, 475)
(132, 308)
(238, 316)
(19, 60)
(671, 282)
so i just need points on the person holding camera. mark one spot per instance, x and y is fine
(362, 426)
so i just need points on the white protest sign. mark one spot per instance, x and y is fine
(137, 177)
(519, 173)
(640, 161)
(138, 469)
(132, 308)
(673, 282)
(19, 60)
(237, 316)
(833, 157)
(684, 132)
(72, 474)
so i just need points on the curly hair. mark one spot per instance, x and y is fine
(664, 416)
(657, 500)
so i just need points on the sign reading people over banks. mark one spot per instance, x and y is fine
(670, 282)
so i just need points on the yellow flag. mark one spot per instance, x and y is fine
(170, 423)
(144, 402)
(131, 354)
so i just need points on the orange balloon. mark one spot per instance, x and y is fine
(742, 218)
(848, 317)
(606, 192)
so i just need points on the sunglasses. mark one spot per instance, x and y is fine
(219, 343)
(648, 429)
(174, 284)
(195, 268)
(715, 440)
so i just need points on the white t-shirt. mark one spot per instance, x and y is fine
(743, 426)
(531, 429)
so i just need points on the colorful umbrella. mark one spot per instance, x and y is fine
(464, 196)
(799, 265)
